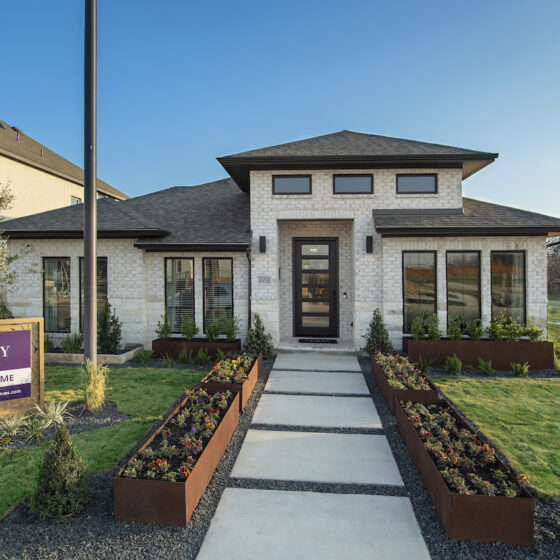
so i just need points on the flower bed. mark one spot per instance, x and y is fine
(173, 346)
(399, 379)
(539, 354)
(163, 482)
(475, 495)
(237, 374)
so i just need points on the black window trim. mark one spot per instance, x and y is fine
(298, 175)
(434, 175)
(165, 259)
(43, 298)
(204, 295)
(435, 253)
(524, 253)
(80, 280)
(335, 175)
(479, 253)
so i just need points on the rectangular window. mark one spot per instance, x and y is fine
(217, 280)
(419, 285)
(508, 284)
(179, 291)
(352, 184)
(56, 294)
(422, 183)
(101, 288)
(291, 184)
(75, 200)
(463, 285)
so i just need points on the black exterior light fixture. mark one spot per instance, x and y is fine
(262, 244)
(369, 243)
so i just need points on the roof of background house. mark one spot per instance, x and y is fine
(347, 149)
(209, 216)
(15, 144)
(478, 218)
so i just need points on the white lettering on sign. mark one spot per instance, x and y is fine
(4, 350)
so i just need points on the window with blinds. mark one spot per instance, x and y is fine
(56, 294)
(102, 288)
(217, 289)
(179, 291)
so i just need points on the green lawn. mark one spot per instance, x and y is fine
(521, 417)
(143, 393)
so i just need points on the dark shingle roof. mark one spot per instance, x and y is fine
(478, 218)
(347, 149)
(213, 214)
(15, 144)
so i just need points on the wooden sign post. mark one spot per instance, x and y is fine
(21, 365)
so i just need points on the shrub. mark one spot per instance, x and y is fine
(5, 312)
(73, 343)
(11, 426)
(214, 330)
(425, 364)
(35, 427)
(231, 328)
(532, 332)
(520, 370)
(474, 329)
(188, 327)
(109, 332)
(202, 357)
(504, 328)
(63, 489)
(184, 357)
(168, 360)
(455, 329)
(418, 328)
(163, 330)
(557, 364)
(48, 344)
(453, 364)
(53, 413)
(94, 380)
(145, 356)
(258, 340)
(486, 367)
(432, 327)
(220, 355)
(377, 337)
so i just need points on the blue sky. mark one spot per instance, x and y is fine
(183, 82)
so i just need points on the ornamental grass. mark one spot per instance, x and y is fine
(401, 373)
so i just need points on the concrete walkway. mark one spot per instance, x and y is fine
(316, 470)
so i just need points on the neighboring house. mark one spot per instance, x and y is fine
(313, 235)
(39, 178)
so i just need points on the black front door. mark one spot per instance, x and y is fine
(315, 287)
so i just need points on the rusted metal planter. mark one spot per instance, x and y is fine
(175, 345)
(244, 389)
(540, 355)
(392, 395)
(172, 503)
(469, 517)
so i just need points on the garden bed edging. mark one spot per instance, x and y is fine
(122, 358)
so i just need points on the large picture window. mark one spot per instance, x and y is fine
(101, 288)
(419, 285)
(217, 280)
(463, 285)
(352, 184)
(421, 183)
(291, 184)
(56, 294)
(508, 284)
(179, 291)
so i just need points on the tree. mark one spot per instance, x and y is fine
(7, 276)
(377, 337)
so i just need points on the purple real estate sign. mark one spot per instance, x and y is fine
(15, 365)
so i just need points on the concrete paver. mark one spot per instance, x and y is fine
(317, 382)
(317, 361)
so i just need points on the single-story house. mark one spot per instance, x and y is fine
(313, 235)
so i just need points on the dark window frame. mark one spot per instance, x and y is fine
(477, 252)
(75, 198)
(299, 176)
(434, 175)
(334, 177)
(204, 325)
(165, 259)
(80, 281)
(524, 253)
(43, 298)
(433, 252)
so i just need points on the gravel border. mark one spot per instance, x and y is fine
(547, 512)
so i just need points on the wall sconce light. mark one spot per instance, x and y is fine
(369, 243)
(262, 244)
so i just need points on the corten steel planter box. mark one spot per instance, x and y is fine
(244, 389)
(540, 355)
(172, 503)
(175, 345)
(392, 395)
(469, 517)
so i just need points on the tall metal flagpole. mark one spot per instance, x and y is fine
(90, 182)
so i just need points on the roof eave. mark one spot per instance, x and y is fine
(463, 232)
(78, 234)
(194, 247)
